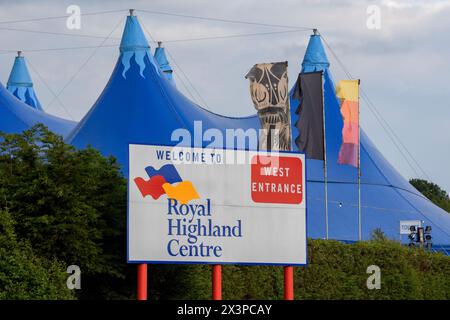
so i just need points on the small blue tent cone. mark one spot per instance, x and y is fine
(133, 38)
(163, 62)
(16, 116)
(315, 58)
(20, 84)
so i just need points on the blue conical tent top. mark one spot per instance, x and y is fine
(315, 57)
(16, 116)
(163, 62)
(20, 83)
(133, 38)
(140, 105)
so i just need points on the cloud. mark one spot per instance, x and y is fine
(428, 6)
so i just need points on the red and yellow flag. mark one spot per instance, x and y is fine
(348, 92)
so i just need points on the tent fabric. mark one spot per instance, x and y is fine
(140, 105)
(16, 116)
(21, 85)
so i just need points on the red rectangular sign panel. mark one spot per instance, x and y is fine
(276, 179)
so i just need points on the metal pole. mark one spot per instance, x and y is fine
(217, 282)
(142, 282)
(325, 173)
(359, 170)
(289, 270)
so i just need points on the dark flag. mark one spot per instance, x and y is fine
(309, 90)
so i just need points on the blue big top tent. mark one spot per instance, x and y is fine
(19, 107)
(140, 105)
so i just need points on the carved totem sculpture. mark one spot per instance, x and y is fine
(269, 92)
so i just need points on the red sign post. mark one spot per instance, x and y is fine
(142, 281)
(288, 283)
(217, 282)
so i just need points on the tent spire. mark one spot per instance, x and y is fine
(20, 83)
(133, 37)
(134, 46)
(315, 57)
(163, 62)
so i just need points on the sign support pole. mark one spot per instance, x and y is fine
(217, 282)
(288, 283)
(142, 281)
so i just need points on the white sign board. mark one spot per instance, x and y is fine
(194, 205)
(405, 225)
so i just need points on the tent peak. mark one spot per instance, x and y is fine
(131, 12)
(19, 75)
(134, 45)
(163, 62)
(20, 83)
(315, 57)
(133, 37)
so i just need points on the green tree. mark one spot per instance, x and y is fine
(69, 204)
(25, 275)
(433, 192)
(379, 235)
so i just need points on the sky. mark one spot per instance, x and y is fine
(403, 65)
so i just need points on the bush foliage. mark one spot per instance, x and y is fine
(335, 271)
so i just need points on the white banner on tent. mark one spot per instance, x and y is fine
(405, 225)
(192, 205)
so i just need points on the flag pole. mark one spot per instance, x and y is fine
(325, 166)
(359, 169)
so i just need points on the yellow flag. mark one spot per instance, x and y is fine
(348, 90)
(182, 192)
